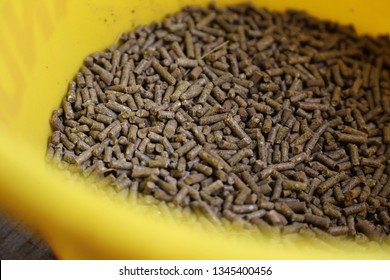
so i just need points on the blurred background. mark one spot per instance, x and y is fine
(17, 242)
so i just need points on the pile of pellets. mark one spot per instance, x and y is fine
(241, 114)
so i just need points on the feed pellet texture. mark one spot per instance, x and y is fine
(241, 114)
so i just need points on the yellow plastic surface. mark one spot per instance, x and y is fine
(42, 44)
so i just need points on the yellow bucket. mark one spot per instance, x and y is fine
(42, 46)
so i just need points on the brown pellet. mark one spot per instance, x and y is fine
(354, 154)
(267, 125)
(351, 138)
(384, 216)
(207, 170)
(331, 211)
(275, 218)
(294, 185)
(297, 206)
(239, 156)
(141, 171)
(194, 178)
(354, 209)
(207, 120)
(369, 229)
(105, 76)
(284, 209)
(264, 43)
(322, 222)
(323, 187)
(163, 72)
(236, 128)
(210, 159)
(325, 160)
(338, 230)
(214, 187)
(194, 152)
(181, 87)
(186, 148)
(158, 163)
(194, 90)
